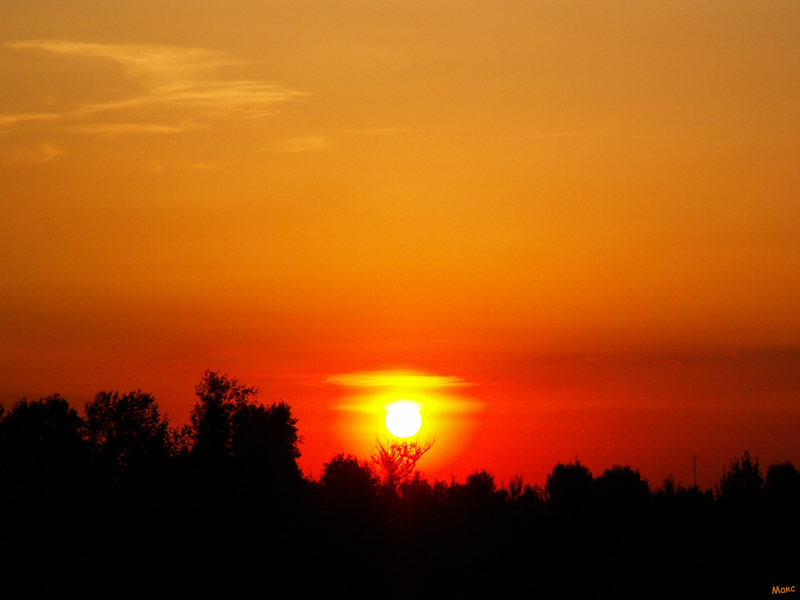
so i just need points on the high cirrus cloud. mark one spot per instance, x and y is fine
(397, 378)
(31, 156)
(164, 89)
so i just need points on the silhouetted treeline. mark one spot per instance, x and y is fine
(118, 501)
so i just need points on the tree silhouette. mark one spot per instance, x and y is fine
(228, 423)
(741, 485)
(669, 488)
(481, 484)
(265, 437)
(478, 493)
(127, 432)
(346, 479)
(782, 485)
(416, 491)
(42, 440)
(622, 490)
(395, 461)
(212, 415)
(570, 486)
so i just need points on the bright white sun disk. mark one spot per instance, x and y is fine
(403, 419)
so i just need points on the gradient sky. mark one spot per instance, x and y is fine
(587, 211)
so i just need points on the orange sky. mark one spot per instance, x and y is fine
(588, 210)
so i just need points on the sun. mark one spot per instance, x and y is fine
(403, 419)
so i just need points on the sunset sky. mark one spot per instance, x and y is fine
(571, 228)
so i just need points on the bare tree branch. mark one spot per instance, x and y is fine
(395, 461)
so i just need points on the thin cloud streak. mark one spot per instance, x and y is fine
(375, 385)
(167, 63)
(300, 144)
(523, 137)
(440, 405)
(24, 117)
(171, 79)
(397, 378)
(373, 131)
(545, 136)
(114, 129)
(31, 156)
(204, 165)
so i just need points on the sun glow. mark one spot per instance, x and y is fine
(442, 410)
(403, 418)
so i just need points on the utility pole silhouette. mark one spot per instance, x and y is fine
(694, 458)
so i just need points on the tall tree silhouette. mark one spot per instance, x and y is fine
(228, 423)
(126, 431)
(265, 437)
(212, 415)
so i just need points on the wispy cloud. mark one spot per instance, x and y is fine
(667, 361)
(374, 390)
(31, 156)
(551, 135)
(176, 85)
(114, 129)
(397, 379)
(204, 165)
(524, 137)
(23, 117)
(373, 131)
(164, 62)
(300, 144)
